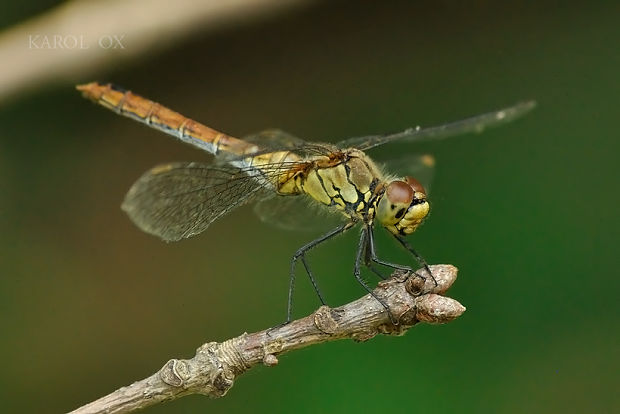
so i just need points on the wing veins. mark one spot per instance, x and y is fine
(473, 124)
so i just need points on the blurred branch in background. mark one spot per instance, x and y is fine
(80, 37)
(214, 368)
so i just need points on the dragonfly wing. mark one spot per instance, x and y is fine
(474, 124)
(179, 200)
(278, 140)
(274, 139)
(296, 213)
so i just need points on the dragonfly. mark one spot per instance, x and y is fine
(178, 200)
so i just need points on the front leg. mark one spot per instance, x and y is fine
(415, 254)
(372, 256)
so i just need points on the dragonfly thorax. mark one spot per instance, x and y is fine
(347, 182)
(402, 207)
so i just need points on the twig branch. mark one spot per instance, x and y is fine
(216, 365)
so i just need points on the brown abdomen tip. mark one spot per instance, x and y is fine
(91, 90)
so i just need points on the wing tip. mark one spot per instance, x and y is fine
(516, 111)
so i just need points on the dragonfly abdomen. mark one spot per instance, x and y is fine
(166, 120)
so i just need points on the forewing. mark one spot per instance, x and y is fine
(474, 124)
(179, 200)
(274, 139)
(271, 140)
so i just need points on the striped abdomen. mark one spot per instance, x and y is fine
(159, 117)
(187, 130)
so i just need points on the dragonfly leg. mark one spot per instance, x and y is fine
(300, 255)
(372, 255)
(368, 256)
(417, 256)
(368, 261)
(357, 272)
(312, 279)
(373, 269)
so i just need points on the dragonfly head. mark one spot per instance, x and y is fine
(403, 206)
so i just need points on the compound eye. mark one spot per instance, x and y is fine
(416, 185)
(399, 193)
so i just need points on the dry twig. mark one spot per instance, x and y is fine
(216, 365)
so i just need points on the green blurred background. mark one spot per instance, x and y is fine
(527, 212)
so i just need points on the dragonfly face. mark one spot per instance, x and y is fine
(403, 206)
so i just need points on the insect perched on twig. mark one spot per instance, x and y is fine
(179, 200)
